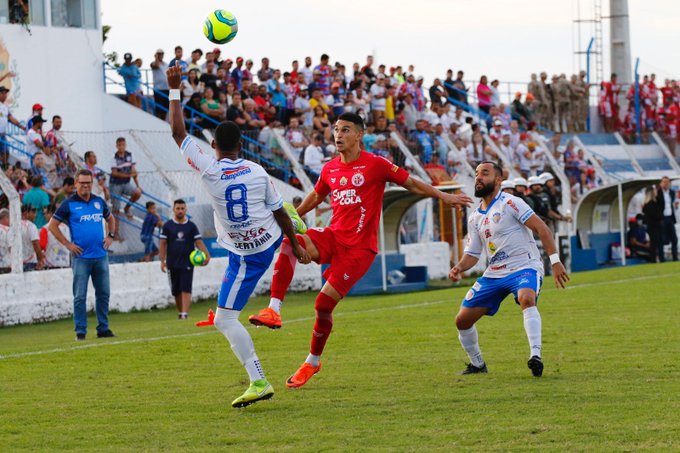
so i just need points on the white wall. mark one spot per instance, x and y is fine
(47, 295)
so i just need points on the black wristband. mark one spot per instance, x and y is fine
(112, 235)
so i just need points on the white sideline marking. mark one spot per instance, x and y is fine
(309, 318)
(197, 334)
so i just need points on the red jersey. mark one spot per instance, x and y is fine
(357, 191)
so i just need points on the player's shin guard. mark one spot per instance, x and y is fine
(532, 326)
(470, 342)
(324, 322)
(284, 269)
(226, 321)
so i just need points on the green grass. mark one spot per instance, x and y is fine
(389, 382)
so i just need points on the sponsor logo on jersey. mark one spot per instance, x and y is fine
(343, 181)
(233, 173)
(487, 234)
(91, 218)
(498, 257)
(97, 205)
(470, 294)
(492, 248)
(255, 243)
(513, 205)
(333, 180)
(192, 164)
(476, 286)
(394, 168)
(486, 221)
(498, 268)
(358, 179)
(496, 217)
(526, 216)
(180, 235)
(346, 277)
(248, 235)
(346, 197)
(362, 217)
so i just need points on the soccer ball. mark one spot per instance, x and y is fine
(197, 258)
(220, 26)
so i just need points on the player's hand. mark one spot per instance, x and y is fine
(454, 274)
(461, 199)
(207, 260)
(301, 254)
(560, 275)
(107, 242)
(74, 249)
(163, 267)
(174, 74)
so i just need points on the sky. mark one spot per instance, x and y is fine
(503, 39)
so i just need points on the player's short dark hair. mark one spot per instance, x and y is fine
(55, 117)
(120, 139)
(84, 172)
(178, 201)
(149, 204)
(88, 154)
(497, 168)
(228, 136)
(352, 118)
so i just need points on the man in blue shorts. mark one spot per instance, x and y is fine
(250, 220)
(504, 226)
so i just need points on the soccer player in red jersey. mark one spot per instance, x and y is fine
(355, 181)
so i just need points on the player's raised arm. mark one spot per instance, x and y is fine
(422, 188)
(179, 132)
(311, 201)
(541, 229)
(283, 219)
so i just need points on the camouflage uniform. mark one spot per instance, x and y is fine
(575, 104)
(546, 111)
(583, 102)
(562, 93)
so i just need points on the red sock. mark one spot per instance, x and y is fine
(324, 322)
(284, 268)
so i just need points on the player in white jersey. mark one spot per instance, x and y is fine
(503, 226)
(249, 217)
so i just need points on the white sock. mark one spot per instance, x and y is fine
(532, 326)
(313, 360)
(275, 304)
(470, 342)
(226, 321)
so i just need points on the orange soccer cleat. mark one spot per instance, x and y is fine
(302, 375)
(266, 317)
(208, 322)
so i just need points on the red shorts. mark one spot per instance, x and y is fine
(347, 265)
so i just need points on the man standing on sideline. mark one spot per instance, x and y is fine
(249, 219)
(160, 83)
(85, 214)
(504, 226)
(355, 180)
(179, 237)
(122, 171)
(666, 201)
(6, 117)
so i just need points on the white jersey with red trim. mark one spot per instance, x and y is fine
(243, 198)
(500, 230)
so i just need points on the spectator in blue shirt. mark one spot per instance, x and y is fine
(84, 214)
(132, 77)
(423, 141)
(151, 221)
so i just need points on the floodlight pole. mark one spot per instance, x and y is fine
(588, 50)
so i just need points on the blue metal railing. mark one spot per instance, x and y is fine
(124, 220)
(285, 172)
(17, 146)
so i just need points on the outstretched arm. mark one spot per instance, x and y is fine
(465, 263)
(422, 188)
(179, 132)
(310, 202)
(283, 219)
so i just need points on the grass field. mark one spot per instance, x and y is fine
(389, 382)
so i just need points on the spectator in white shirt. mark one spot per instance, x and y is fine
(34, 138)
(6, 117)
(303, 109)
(314, 157)
(296, 137)
(5, 256)
(33, 255)
(378, 94)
